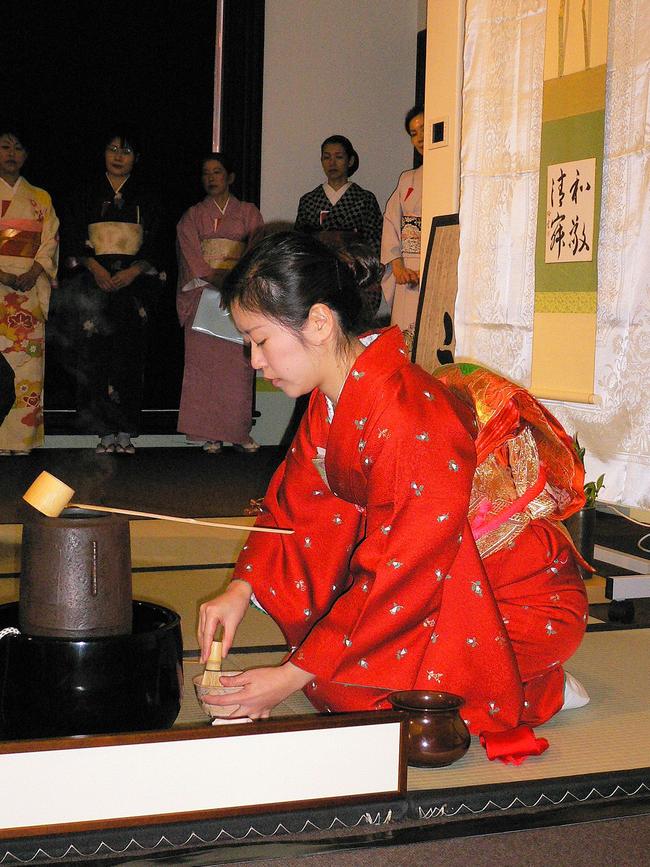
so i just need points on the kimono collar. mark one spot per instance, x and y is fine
(212, 205)
(15, 186)
(362, 395)
(336, 195)
(221, 210)
(366, 339)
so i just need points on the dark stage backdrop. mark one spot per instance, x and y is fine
(73, 68)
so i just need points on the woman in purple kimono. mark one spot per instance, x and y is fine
(216, 399)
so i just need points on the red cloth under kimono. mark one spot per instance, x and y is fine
(382, 586)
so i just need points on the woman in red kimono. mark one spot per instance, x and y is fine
(427, 550)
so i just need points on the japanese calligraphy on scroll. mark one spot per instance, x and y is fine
(570, 205)
(570, 182)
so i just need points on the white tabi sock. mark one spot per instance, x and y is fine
(575, 695)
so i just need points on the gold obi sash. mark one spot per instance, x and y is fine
(505, 499)
(20, 238)
(411, 234)
(113, 238)
(222, 253)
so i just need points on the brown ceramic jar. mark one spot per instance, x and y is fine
(437, 735)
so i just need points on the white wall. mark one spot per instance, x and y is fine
(335, 66)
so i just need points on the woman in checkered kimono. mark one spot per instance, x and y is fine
(340, 210)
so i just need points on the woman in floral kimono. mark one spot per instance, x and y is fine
(28, 261)
(427, 550)
(217, 394)
(113, 233)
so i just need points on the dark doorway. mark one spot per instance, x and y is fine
(73, 68)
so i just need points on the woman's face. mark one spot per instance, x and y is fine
(12, 157)
(416, 131)
(335, 163)
(215, 179)
(291, 362)
(120, 158)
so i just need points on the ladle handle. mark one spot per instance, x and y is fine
(181, 520)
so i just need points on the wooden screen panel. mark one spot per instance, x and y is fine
(434, 341)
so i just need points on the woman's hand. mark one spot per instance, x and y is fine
(217, 276)
(403, 274)
(124, 278)
(263, 689)
(226, 610)
(8, 279)
(24, 282)
(102, 277)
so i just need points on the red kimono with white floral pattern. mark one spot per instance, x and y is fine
(381, 587)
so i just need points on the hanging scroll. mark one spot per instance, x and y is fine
(566, 273)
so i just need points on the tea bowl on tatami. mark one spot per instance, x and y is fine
(218, 712)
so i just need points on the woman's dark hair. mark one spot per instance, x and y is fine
(8, 127)
(224, 159)
(284, 275)
(346, 144)
(126, 136)
(410, 114)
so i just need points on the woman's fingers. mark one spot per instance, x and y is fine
(228, 638)
(226, 610)
(205, 633)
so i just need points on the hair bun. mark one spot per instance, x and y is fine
(362, 262)
(366, 272)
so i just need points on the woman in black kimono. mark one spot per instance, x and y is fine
(340, 210)
(112, 232)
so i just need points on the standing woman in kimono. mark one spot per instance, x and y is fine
(28, 261)
(340, 210)
(400, 238)
(216, 399)
(382, 586)
(112, 232)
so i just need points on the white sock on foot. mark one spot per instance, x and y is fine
(575, 695)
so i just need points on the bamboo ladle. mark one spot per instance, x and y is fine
(51, 496)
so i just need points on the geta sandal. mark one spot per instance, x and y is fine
(248, 448)
(213, 447)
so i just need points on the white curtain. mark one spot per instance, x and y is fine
(502, 107)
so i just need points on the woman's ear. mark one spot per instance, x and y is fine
(231, 179)
(320, 323)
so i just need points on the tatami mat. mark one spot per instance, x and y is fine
(612, 733)
(180, 565)
(595, 587)
(160, 550)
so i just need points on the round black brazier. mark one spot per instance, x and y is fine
(55, 687)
